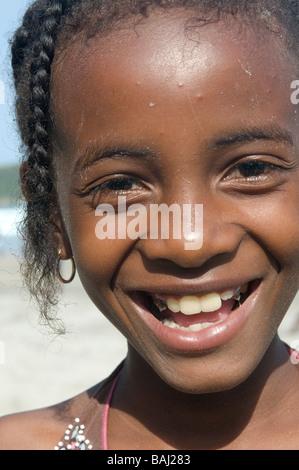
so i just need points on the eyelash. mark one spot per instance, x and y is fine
(254, 170)
(117, 181)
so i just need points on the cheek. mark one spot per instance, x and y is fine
(98, 261)
(282, 232)
(274, 224)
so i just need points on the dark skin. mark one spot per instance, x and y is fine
(189, 112)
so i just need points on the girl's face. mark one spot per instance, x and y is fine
(158, 113)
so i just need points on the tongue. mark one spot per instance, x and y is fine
(204, 317)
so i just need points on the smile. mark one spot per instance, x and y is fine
(196, 312)
(196, 321)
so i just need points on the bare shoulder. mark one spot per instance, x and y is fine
(41, 429)
(35, 430)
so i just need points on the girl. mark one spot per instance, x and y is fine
(184, 103)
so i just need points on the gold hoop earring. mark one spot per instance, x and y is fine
(58, 273)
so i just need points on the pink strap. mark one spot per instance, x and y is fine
(106, 413)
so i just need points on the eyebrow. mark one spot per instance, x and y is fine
(272, 132)
(94, 153)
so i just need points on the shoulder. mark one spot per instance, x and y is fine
(41, 429)
(28, 431)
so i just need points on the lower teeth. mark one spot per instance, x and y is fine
(197, 327)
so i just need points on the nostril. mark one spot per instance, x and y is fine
(170, 251)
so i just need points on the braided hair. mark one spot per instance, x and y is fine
(34, 45)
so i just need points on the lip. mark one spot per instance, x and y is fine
(199, 341)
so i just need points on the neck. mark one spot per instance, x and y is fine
(214, 420)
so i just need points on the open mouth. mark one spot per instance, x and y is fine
(195, 312)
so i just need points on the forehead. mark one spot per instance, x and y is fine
(163, 60)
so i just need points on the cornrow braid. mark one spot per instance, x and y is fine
(45, 31)
(40, 72)
(39, 247)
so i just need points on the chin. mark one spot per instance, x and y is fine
(213, 372)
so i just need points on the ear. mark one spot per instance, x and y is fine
(60, 234)
(59, 231)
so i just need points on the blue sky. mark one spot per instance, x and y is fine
(10, 16)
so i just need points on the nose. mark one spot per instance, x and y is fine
(214, 237)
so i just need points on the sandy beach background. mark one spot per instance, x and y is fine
(38, 370)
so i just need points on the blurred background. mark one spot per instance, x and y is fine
(37, 369)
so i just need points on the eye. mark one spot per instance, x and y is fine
(254, 172)
(119, 184)
(113, 187)
(254, 169)
(256, 175)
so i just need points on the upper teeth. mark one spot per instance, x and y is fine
(192, 305)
